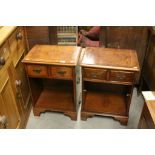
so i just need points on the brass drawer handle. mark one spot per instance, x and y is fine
(2, 61)
(94, 75)
(37, 71)
(61, 72)
(121, 77)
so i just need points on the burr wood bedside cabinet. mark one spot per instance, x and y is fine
(52, 76)
(108, 77)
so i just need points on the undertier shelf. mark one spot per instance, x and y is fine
(56, 100)
(104, 103)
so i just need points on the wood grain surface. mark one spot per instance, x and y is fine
(48, 54)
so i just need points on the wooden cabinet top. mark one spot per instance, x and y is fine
(111, 58)
(52, 54)
(5, 31)
(149, 98)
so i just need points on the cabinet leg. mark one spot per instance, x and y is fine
(72, 115)
(85, 116)
(122, 120)
(36, 112)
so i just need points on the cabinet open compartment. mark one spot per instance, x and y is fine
(52, 95)
(106, 99)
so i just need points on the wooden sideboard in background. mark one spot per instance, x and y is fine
(15, 95)
(147, 119)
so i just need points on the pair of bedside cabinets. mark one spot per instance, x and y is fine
(107, 79)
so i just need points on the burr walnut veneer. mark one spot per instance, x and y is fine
(108, 79)
(51, 71)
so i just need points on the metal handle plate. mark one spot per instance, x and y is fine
(37, 71)
(61, 72)
(121, 77)
(94, 75)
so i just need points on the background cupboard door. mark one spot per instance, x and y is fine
(8, 104)
(20, 86)
(17, 44)
(23, 88)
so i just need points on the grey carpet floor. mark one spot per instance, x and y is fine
(52, 120)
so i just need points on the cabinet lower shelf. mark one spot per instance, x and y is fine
(104, 104)
(56, 100)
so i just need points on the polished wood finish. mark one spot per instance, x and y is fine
(51, 71)
(147, 119)
(21, 90)
(37, 70)
(8, 105)
(60, 55)
(5, 32)
(15, 93)
(4, 54)
(110, 58)
(62, 72)
(95, 74)
(17, 45)
(108, 79)
(121, 76)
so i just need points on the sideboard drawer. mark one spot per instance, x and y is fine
(100, 74)
(37, 70)
(4, 54)
(62, 72)
(121, 76)
(21, 41)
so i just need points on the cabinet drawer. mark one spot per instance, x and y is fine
(21, 41)
(121, 76)
(61, 72)
(14, 47)
(100, 74)
(37, 70)
(17, 45)
(4, 54)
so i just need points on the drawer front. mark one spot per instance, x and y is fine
(62, 72)
(100, 74)
(17, 45)
(37, 70)
(13, 47)
(20, 41)
(4, 54)
(121, 76)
